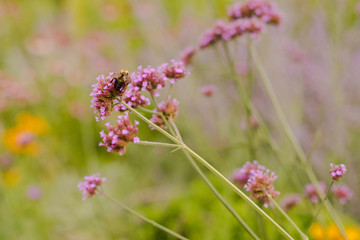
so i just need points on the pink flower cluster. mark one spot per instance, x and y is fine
(168, 109)
(148, 79)
(174, 71)
(260, 184)
(342, 192)
(310, 191)
(90, 185)
(187, 55)
(223, 31)
(208, 90)
(134, 99)
(290, 201)
(241, 175)
(337, 171)
(264, 10)
(103, 96)
(119, 136)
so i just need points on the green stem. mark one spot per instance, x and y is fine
(213, 189)
(321, 205)
(299, 151)
(155, 224)
(212, 169)
(303, 236)
(159, 144)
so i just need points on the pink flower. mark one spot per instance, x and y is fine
(134, 99)
(148, 79)
(90, 185)
(241, 175)
(175, 71)
(264, 10)
(104, 94)
(310, 191)
(290, 201)
(337, 171)
(342, 192)
(187, 55)
(208, 90)
(214, 34)
(169, 110)
(25, 138)
(260, 184)
(34, 193)
(241, 26)
(119, 136)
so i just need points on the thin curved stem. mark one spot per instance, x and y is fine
(213, 170)
(159, 144)
(145, 219)
(290, 134)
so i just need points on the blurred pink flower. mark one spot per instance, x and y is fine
(119, 136)
(208, 90)
(337, 171)
(264, 10)
(214, 34)
(169, 109)
(342, 192)
(187, 55)
(90, 185)
(260, 184)
(241, 175)
(34, 192)
(290, 201)
(310, 191)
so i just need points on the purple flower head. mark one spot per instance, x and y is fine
(90, 185)
(169, 110)
(337, 171)
(120, 135)
(148, 79)
(242, 26)
(134, 99)
(105, 92)
(290, 201)
(310, 191)
(187, 55)
(342, 192)
(208, 90)
(174, 71)
(264, 10)
(260, 184)
(34, 192)
(214, 34)
(241, 175)
(25, 138)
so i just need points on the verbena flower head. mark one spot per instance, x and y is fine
(174, 71)
(169, 110)
(104, 94)
(260, 184)
(337, 171)
(148, 79)
(290, 201)
(342, 192)
(134, 99)
(214, 34)
(187, 55)
(208, 90)
(120, 135)
(310, 191)
(262, 9)
(90, 186)
(241, 175)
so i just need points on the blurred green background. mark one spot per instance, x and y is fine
(51, 52)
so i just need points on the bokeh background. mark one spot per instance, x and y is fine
(51, 52)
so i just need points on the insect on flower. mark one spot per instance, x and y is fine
(121, 81)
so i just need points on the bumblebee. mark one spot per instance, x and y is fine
(121, 81)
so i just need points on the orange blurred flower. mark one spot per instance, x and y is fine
(318, 232)
(11, 177)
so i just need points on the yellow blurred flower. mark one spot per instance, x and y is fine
(317, 232)
(333, 232)
(353, 233)
(22, 138)
(11, 177)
